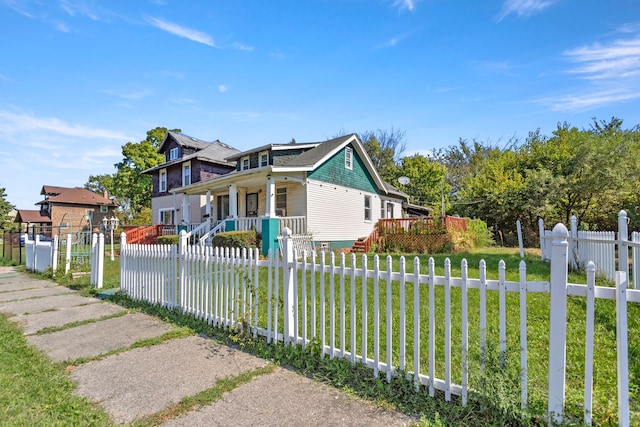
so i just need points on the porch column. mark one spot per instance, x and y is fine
(233, 208)
(185, 209)
(233, 201)
(242, 201)
(270, 210)
(207, 207)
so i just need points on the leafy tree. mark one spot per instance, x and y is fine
(5, 208)
(425, 179)
(385, 148)
(130, 187)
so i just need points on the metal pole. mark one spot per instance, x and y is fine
(112, 258)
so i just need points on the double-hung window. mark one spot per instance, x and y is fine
(244, 163)
(264, 159)
(173, 153)
(186, 174)
(163, 181)
(367, 208)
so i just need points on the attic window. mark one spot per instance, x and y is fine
(244, 165)
(348, 158)
(173, 154)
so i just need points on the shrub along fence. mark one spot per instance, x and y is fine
(435, 329)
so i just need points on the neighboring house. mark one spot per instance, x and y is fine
(188, 161)
(29, 218)
(330, 187)
(66, 210)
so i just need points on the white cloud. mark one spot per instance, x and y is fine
(589, 100)
(222, 88)
(240, 46)
(389, 43)
(19, 6)
(14, 123)
(187, 33)
(524, 8)
(619, 59)
(131, 96)
(410, 5)
(612, 70)
(62, 27)
(78, 7)
(278, 55)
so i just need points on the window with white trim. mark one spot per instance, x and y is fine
(166, 216)
(163, 181)
(244, 163)
(264, 159)
(382, 211)
(367, 208)
(173, 154)
(104, 209)
(348, 158)
(186, 174)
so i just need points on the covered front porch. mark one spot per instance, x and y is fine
(248, 200)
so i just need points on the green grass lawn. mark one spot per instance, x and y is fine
(605, 390)
(36, 392)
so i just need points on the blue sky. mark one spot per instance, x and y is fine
(80, 78)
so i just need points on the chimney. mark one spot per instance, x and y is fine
(106, 194)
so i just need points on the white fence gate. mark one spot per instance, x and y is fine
(377, 316)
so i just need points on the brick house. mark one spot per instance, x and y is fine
(65, 210)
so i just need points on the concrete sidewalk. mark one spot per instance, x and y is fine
(140, 382)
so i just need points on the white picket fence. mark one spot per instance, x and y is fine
(307, 300)
(41, 256)
(604, 248)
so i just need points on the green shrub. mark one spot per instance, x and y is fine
(236, 239)
(172, 239)
(477, 235)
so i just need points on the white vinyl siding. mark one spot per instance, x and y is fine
(335, 212)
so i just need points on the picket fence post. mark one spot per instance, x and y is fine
(54, 254)
(558, 323)
(573, 245)
(100, 261)
(182, 251)
(67, 262)
(622, 342)
(543, 244)
(289, 302)
(623, 238)
(123, 261)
